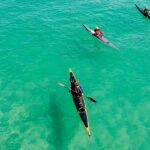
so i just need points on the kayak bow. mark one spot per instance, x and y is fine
(79, 102)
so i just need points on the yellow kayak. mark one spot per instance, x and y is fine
(78, 99)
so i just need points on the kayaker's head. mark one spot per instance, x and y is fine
(96, 27)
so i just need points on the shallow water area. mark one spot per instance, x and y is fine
(40, 41)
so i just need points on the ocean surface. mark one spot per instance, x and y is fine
(39, 41)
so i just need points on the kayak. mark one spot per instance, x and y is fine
(142, 11)
(101, 38)
(79, 102)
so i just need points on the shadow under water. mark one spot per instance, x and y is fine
(57, 123)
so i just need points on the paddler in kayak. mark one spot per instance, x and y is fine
(78, 89)
(75, 88)
(98, 31)
(146, 11)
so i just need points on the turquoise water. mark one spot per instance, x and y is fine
(39, 41)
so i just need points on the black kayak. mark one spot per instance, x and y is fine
(79, 102)
(142, 11)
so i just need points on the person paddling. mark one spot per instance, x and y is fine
(78, 89)
(98, 31)
(75, 87)
(146, 11)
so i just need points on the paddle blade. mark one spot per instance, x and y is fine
(61, 84)
(91, 99)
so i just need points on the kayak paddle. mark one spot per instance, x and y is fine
(91, 99)
(63, 85)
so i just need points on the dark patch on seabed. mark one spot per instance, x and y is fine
(57, 135)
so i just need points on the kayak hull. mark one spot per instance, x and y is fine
(101, 38)
(79, 104)
(142, 11)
